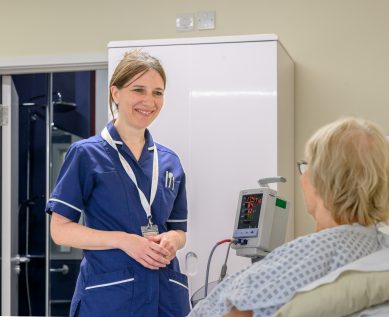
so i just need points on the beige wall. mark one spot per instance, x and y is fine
(340, 47)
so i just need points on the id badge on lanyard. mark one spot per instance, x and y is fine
(151, 229)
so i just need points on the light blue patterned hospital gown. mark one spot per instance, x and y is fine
(268, 284)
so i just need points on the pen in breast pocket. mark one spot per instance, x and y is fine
(171, 180)
(166, 178)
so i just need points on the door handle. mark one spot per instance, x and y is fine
(64, 269)
(20, 259)
(17, 260)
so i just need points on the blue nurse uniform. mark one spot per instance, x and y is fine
(93, 182)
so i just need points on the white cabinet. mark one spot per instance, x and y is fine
(228, 113)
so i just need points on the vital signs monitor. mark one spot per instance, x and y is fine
(261, 220)
(260, 226)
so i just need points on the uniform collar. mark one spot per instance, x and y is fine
(149, 142)
(114, 133)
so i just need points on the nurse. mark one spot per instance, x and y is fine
(131, 193)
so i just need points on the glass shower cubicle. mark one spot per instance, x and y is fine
(45, 113)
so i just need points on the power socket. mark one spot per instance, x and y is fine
(184, 22)
(205, 20)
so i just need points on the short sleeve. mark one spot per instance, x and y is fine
(178, 217)
(73, 185)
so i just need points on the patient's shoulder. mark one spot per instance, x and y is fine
(335, 236)
(332, 248)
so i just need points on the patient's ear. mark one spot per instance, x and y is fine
(238, 313)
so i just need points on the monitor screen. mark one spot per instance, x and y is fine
(250, 210)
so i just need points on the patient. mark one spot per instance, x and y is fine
(345, 182)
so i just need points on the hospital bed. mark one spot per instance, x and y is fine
(359, 289)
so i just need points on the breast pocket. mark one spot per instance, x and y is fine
(108, 294)
(169, 194)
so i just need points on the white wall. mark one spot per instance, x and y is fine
(340, 48)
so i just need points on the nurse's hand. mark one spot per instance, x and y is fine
(147, 252)
(171, 240)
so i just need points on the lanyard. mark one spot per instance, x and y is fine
(154, 182)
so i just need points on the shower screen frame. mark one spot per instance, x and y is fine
(10, 260)
(29, 65)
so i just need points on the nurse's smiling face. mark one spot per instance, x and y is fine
(140, 100)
